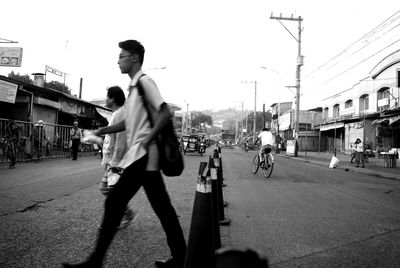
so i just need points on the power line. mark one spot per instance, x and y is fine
(370, 33)
(355, 65)
(363, 47)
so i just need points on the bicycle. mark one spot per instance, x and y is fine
(267, 164)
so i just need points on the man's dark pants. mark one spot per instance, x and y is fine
(130, 182)
(75, 146)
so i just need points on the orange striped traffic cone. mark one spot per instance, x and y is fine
(214, 194)
(201, 246)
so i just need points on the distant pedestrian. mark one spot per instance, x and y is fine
(140, 163)
(114, 148)
(76, 135)
(359, 153)
(38, 138)
(12, 139)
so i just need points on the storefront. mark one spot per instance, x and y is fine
(333, 133)
(387, 132)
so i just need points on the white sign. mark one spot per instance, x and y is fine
(8, 91)
(53, 71)
(290, 147)
(10, 56)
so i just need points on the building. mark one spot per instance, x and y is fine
(32, 103)
(283, 125)
(369, 110)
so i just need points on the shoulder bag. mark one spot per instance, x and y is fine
(171, 160)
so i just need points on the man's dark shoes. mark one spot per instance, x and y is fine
(169, 263)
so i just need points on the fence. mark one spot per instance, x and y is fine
(37, 142)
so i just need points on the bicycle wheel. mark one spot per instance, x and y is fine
(256, 164)
(269, 166)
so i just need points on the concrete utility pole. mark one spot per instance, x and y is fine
(299, 64)
(255, 106)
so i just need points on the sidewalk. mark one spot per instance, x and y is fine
(374, 167)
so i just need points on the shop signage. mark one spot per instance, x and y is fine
(10, 56)
(8, 91)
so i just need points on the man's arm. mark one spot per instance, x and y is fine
(118, 127)
(163, 117)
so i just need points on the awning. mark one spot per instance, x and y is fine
(331, 126)
(104, 113)
(391, 119)
(379, 120)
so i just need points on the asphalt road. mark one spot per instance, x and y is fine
(304, 215)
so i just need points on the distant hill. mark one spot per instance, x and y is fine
(219, 117)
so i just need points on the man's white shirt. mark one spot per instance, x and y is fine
(266, 138)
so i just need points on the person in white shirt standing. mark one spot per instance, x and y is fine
(140, 162)
(267, 142)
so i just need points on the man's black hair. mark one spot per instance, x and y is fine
(118, 95)
(133, 47)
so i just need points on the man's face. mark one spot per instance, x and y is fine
(109, 102)
(125, 61)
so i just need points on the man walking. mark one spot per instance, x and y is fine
(114, 148)
(12, 138)
(140, 162)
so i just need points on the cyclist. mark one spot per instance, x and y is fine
(267, 141)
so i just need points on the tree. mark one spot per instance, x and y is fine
(58, 86)
(201, 118)
(23, 78)
(229, 125)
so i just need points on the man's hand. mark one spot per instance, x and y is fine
(97, 132)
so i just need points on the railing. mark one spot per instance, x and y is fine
(53, 142)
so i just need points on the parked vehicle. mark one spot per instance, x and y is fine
(193, 144)
(184, 142)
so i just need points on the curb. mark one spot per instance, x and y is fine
(348, 169)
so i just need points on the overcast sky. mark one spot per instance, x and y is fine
(208, 47)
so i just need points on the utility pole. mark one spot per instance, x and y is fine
(299, 64)
(263, 115)
(255, 106)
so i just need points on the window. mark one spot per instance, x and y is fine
(336, 110)
(383, 93)
(383, 96)
(348, 104)
(364, 102)
(326, 111)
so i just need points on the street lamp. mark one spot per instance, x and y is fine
(255, 106)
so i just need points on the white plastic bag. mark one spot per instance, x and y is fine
(334, 162)
(90, 138)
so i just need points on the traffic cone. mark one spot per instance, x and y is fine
(221, 203)
(214, 194)
(201, 247)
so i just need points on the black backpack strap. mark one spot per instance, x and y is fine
(142, 95)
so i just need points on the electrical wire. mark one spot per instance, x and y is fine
(382, 25)
(355, 65)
